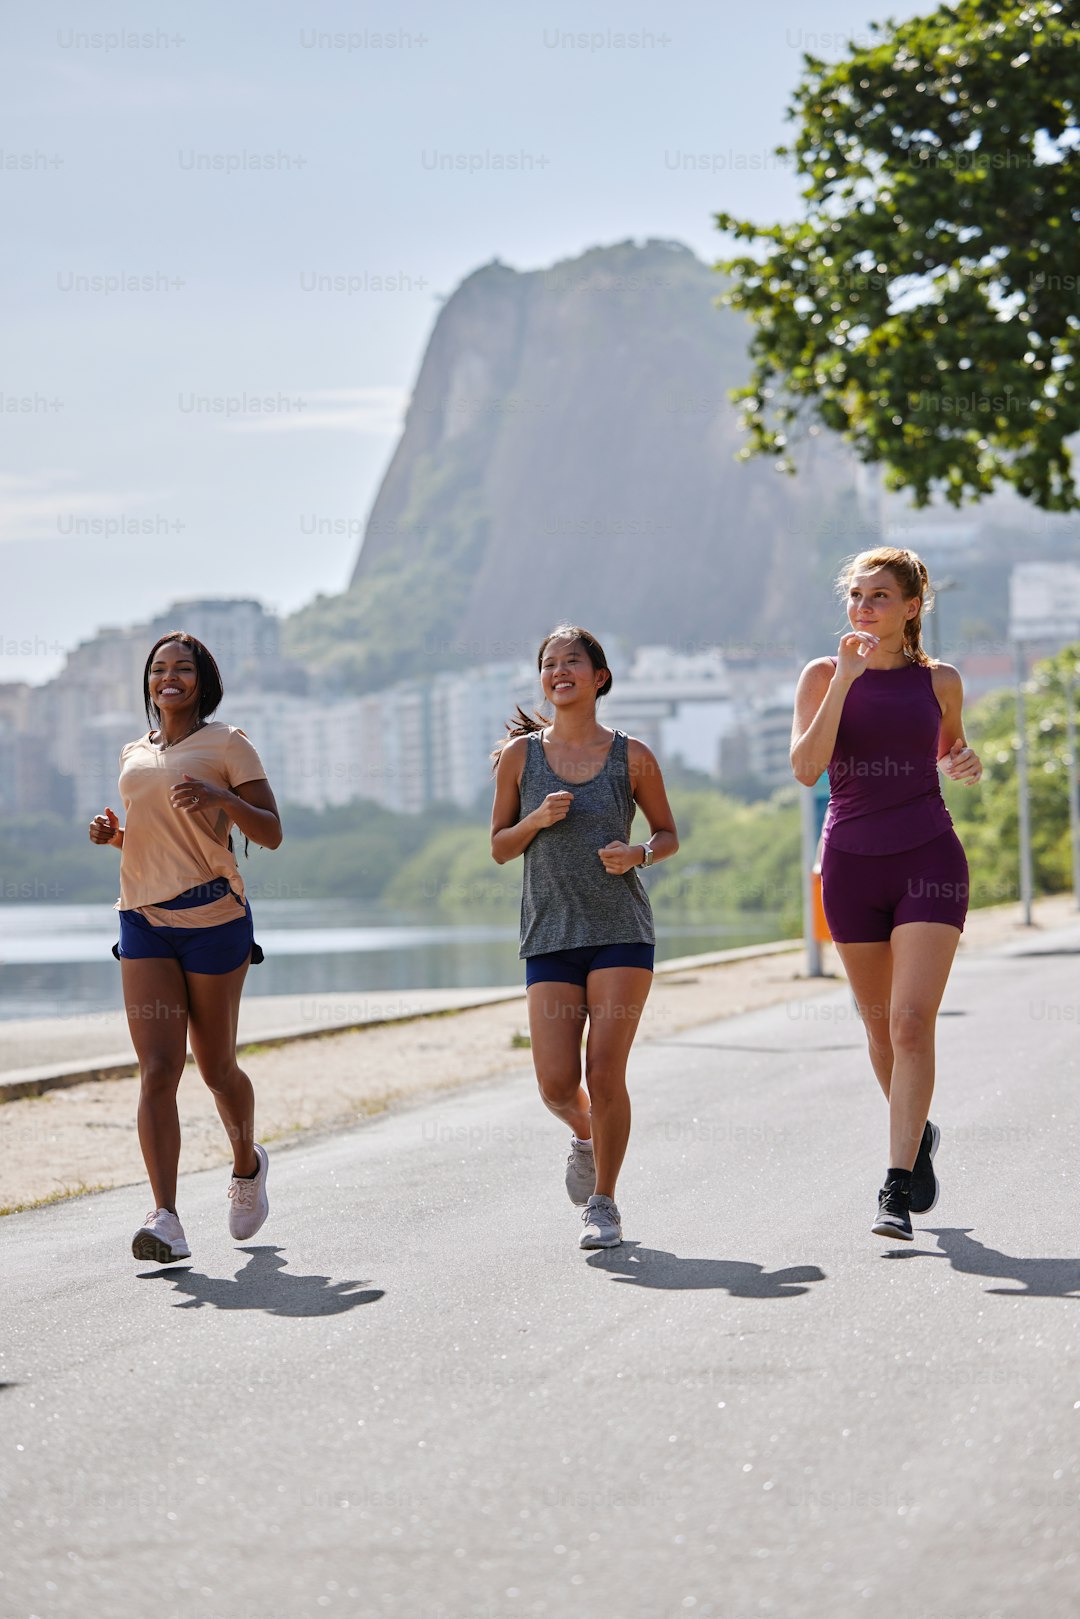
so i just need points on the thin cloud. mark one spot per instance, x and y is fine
(375, 411)
(38, 506)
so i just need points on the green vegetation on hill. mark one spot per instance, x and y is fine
(349, 852)
(391, 625)
(733, 858)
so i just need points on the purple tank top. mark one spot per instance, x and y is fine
(883, 775)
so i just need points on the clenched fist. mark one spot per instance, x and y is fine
(556, 807)
(107, 829)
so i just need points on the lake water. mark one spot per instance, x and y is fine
(55, 959)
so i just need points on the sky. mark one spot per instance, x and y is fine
(187, 408)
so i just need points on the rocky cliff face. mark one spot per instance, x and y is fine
(569, 453)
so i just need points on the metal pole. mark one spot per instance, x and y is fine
(814, 967)
(1074, 784)
(934, 618)
(1026, 883)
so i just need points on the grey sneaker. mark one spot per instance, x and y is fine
(603, 1224)
(160, 1238)
(248, 1202)
(580, 1172)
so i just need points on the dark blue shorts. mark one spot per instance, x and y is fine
(574, 966)
(214, 950)
(865, 896)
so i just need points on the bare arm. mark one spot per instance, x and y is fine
(652, 800)
(254, 812)
(511, 836)
(251, 808)
(650, 795)
(955, 759)
(819, 703)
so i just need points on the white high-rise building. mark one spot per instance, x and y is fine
(469, 715)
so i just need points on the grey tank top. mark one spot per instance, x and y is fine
(568, 900)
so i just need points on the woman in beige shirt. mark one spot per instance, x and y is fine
(186, 938)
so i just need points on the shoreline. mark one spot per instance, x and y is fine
(82, 1138)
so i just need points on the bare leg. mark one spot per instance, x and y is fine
(922, 958)
(869, 969)
(156, 999)
(616, 997)
(556, 1024)
(215, 1008)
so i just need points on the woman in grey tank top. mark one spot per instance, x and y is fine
(566, 791)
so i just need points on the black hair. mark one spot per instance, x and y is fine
(524, 724)
(210, 691)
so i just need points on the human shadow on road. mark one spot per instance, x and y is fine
(1038, 1278)
(652, 1267)
(264, 1284)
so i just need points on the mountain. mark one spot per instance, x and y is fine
(569, 453)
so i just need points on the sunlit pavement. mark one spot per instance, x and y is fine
(412, 1395)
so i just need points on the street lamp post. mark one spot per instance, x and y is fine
(933, 619)
(1074, 784)
(1026, 881)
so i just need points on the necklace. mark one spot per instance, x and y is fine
(163, 744)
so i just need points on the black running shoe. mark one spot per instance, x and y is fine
(893, 1217)
(924, 1184)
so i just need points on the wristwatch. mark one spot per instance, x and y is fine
(648, 860)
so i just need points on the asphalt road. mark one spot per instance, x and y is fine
(413, 1396)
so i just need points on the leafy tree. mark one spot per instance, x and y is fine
(350, 851)
(987, 817)
(732, 858)
(454, 875)
(925, 307)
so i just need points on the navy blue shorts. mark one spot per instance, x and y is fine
(574, 966)
(214, 950)
(865, 896)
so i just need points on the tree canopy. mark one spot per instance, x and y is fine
(926, 306)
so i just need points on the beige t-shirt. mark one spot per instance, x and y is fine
(167, 851)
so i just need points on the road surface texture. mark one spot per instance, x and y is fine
(412, 1396)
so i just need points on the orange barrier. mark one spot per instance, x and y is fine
(819, 925)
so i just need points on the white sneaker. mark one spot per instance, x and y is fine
(603, 1224)
(580, 1172)
(160, 1238)
(248, 1202)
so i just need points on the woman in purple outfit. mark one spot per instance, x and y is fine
(883, 719)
